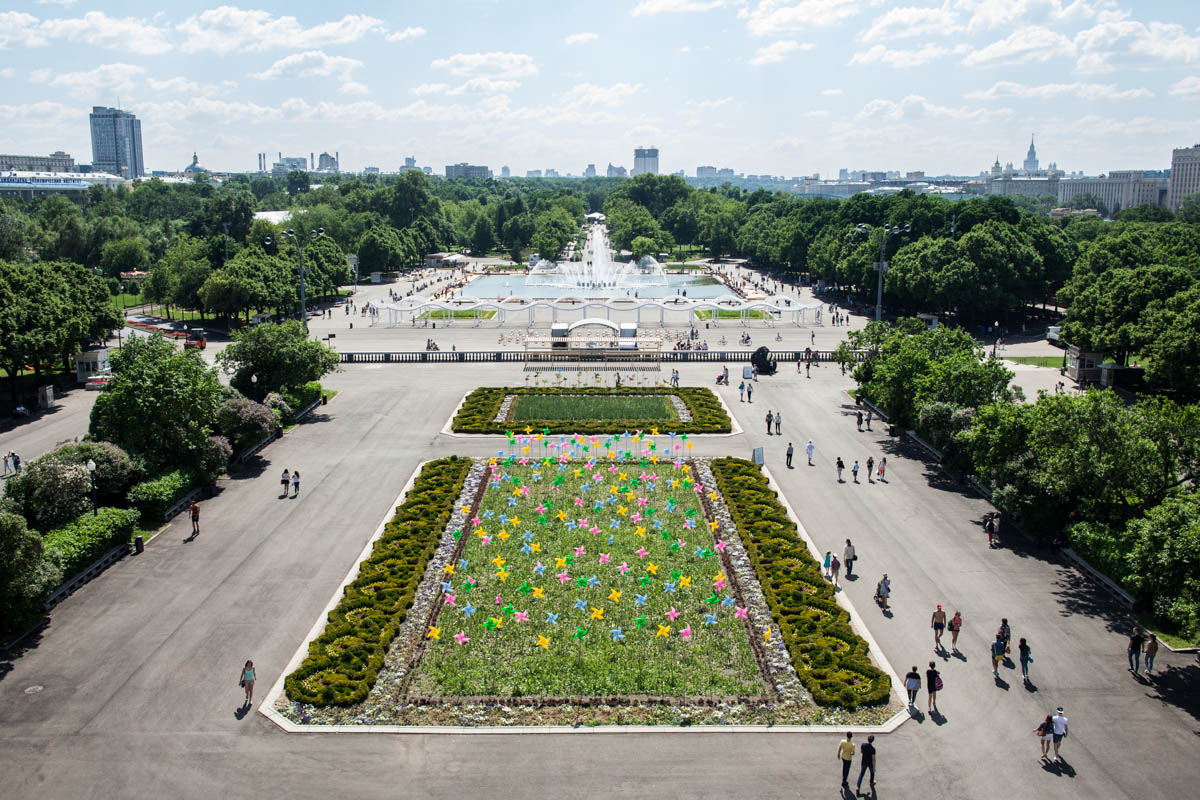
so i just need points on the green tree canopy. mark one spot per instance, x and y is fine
(282, 356)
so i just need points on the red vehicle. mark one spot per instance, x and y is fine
(196, 338)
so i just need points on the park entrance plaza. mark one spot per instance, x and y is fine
(131, 689)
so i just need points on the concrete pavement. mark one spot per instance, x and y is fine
(139, 669)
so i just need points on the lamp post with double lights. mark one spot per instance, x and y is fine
(881, 266)
(301, 242)
(91, 468)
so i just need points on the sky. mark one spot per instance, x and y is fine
(781, 87)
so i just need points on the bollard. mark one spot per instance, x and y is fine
(324, 400)
(138, 544)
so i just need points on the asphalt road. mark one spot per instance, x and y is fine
(131, 691)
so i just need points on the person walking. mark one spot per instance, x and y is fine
(854, 470)
(1060, 731)
(870, 468)
(296, 483)
(840, 466)
(1025, 656)
(849, 557)
(8, 459)
(808, 448)
(1005, 633)
(285, 479)
(882, 467)
(1045, 734)
(742, 392)
(867, 751)
(997, 654)
(835, 567)
(846, 756)
(1136, 640)
(870, 415)
(938, 623)
(884, 590)
(955, 627)
(1151, 652)
(789, 455)
(194, 510)
(828, 563)
(749, 393)
(859, 417)
(770, 421)
(16, 462)
(912, 684)
(808, 368)
(933, 685)
(247, 683)
(778, 423)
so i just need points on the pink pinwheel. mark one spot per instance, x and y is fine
(476, 521)
(521, 616)
(499, 600)
(525, 491)
(636, 517)
(642, 552)
(613, 469)
(449, 599)
(485, 541)
(682, 544)
(541, 508)
(719, 584)
(470, 580)
(595, 529)
(563, 577)
(643, 501)
(720, 545)
(677, 463)
(604, 558)
(740, 612)
(581, 522)
(461, 638)
(672, 614)
(579, 502)
(523, 461)
(624, 568)
(687, 523)
(580, 551)
(686, 633)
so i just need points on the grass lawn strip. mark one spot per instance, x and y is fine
(538, 407)
(480, 410)
(638, 629)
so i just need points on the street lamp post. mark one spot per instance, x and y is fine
(91, 468)
(254, 383)
(301, 243)
(881, 266)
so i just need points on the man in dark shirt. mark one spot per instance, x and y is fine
(867, 751)
(1135, 649)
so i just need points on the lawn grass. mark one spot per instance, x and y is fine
(611, 567)
(1052, 362)
(593, 407)
(124, 300)
(442, 314)
(725, 314)
(1175, 641)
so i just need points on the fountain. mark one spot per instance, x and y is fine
(598, 270)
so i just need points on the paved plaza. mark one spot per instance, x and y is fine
(131, 691)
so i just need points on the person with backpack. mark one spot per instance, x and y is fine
(849, 557)
(1025, 656)
(933, 685)
(835, 567)
(1045, 734)
(997, 655)
(840, 466)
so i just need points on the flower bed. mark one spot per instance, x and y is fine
(588, 579)
(343, 662)
(480, 409)
(830, 658)
(538, 407)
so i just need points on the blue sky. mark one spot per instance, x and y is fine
(785, 87)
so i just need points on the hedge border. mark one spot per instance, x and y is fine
(478, 411)
(343, 662)
(831, 660)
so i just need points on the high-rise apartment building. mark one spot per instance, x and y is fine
(590, 171)
(615, 172)
(645, 159)
(505, 172)
(465, 170)
(1185, 175)
(706, 172)
(116, 142)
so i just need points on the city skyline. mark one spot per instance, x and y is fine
(770, 87)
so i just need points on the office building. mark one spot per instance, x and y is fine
(371, 171)
(328, 163)
(283, 166)
(505, 172)
(1031, 159)
(550, 173)
(1121, 189)
(533, 173)
(616, 172)
(116, 142)
(590, 172)
(706, 172)
(57, 161)
(645, 159)
(1185, 175)
(465, 170)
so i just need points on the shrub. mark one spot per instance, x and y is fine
(302, 397)
(74, 546)
(215, 459)
(114, 468)
(153, 497)
(830, 658)
(276, 402)
(245, 422)
(50, 492)
(479, 409)
(344, 661)
(26, 578)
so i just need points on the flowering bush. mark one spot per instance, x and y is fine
(245, 422)
(50, 492)
(277, 403)
(215, 460)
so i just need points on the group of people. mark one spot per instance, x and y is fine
(832, 566)
(12, 463)
(879, 469)
(430, 344)
(292, 478)
(680, 344)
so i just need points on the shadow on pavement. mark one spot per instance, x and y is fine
(30, 641)
(1178, 686)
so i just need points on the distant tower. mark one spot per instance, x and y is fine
(996, 168)
(1031, 159)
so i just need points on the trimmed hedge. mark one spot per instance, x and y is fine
(79, 543)
(344, 661)
(153, 497)
(301, 397)
(830, 658)
(479, 410)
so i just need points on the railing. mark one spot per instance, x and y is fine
(675, 356)
(85, 575)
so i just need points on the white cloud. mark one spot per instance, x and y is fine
(901, 23)
(56, 2)
(1009, 14)
(228, 28)
(708, 105)
(7, 72)
(484, 86)
(407, 33)
(96, 28)
(650, 7)
(580, 38)
(181, 86)
(312, 64)
(106, 79)
(1129, 41)
(1189, 85)
(775, 51)
(1021, 47)
(429, 88)
(353, 88)
(831, 92)
(914, 106)
(1083, 91)
(495, 65)
(589, 94)
(899, 59)
(772, 17)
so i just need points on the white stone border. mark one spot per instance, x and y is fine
(735, 428)
(268, 710)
